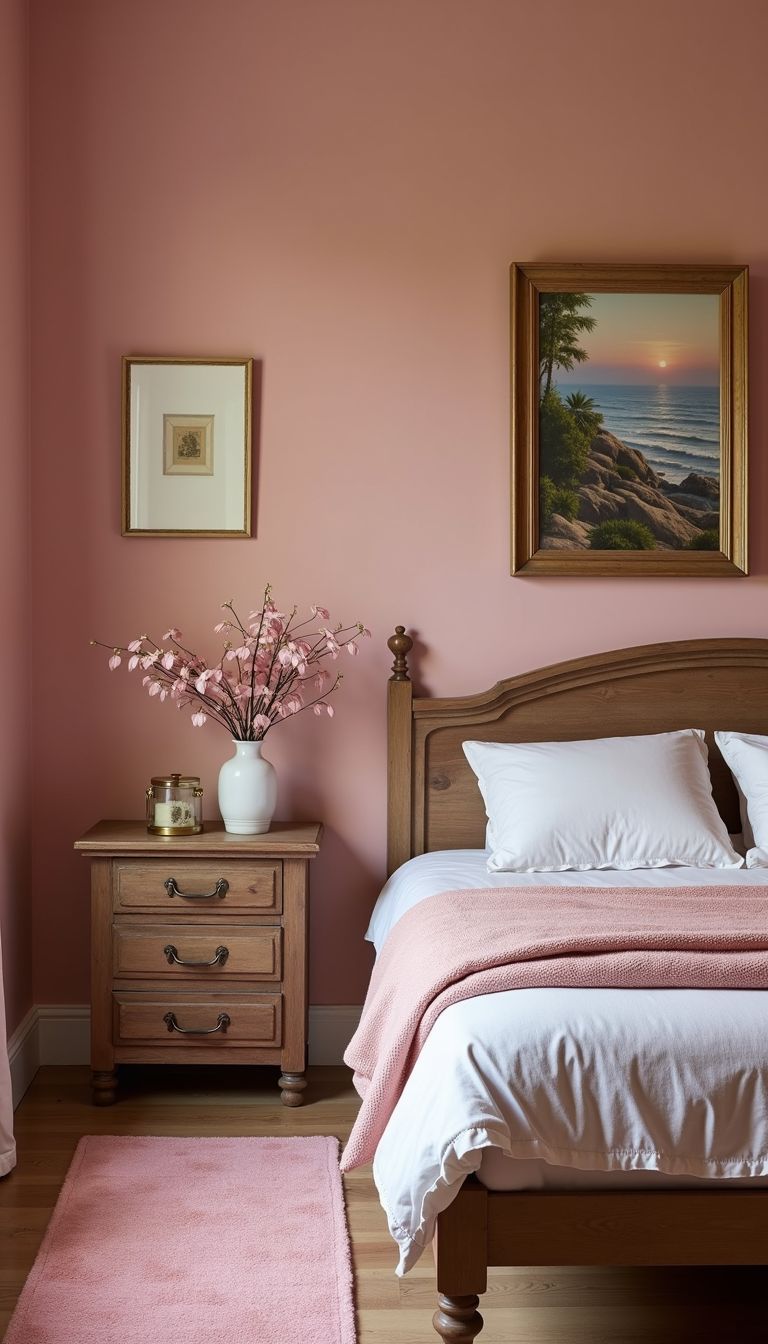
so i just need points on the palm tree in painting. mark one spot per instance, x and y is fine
(584, 411)
(561, 322)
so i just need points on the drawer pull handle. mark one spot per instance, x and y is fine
(219, 957)
(222, 1022)
(221, 889)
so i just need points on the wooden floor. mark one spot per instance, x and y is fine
(525, 1306)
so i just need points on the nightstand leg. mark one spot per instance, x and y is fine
(292, 1085)
(104, 1086)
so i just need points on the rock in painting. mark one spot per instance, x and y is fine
(674, 514)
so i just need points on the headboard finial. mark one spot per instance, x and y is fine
(400, 645)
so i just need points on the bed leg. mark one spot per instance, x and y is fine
(457, 1320)
(461, 1258)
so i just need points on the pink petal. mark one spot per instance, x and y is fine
(114, 661)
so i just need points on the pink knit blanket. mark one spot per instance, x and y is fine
(466, 943)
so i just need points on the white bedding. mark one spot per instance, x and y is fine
(588, 1080)
(463, 869)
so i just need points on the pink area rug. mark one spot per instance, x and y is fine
(193, 1241)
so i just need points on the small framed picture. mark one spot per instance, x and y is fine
(186, 447)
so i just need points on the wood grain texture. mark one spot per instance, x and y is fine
(139, 952)
(526, 283)
(292, 1087)
(399, 766)
(102, 1052)
(236, 918)
(295, 967)
(551, 1305)
(709, 684)
(399, 727)
(461, 1243)
(609, 278)
(457, 1320)
(654, 1227)
(132, 837)
(140, 1020)
(251, 888)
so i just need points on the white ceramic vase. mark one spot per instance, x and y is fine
(247, 790)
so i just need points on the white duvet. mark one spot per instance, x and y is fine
(643, 1086)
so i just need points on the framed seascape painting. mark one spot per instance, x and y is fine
(187, 447)
(629, 419)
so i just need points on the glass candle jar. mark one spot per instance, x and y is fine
(175, 805)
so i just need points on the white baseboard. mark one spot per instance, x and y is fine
(60, 1034)
(24, 1055)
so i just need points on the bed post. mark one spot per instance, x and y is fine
(399, 731)
(461, 1259)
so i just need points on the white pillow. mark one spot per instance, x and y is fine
(746, 755)
(614, 802)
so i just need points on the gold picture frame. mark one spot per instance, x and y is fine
(186, 446)
(608, 505)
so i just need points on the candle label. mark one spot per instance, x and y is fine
(174, 814)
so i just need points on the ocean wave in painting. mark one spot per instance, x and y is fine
(677, 429)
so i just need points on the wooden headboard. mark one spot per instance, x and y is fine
(433, 799)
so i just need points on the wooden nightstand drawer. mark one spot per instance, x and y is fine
(185, 951)
(195, 1020)
(224, 886)
(199, 948)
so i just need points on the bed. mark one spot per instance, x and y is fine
(434, 806)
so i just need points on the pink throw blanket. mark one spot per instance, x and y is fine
(466, 943)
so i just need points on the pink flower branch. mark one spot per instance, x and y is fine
(256, 683)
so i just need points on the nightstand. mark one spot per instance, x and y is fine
(199, 949)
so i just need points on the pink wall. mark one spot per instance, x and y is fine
(339, 189)
(14, 507)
